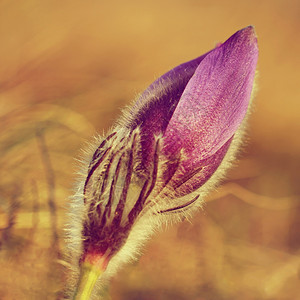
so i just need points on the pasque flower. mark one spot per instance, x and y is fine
(167, 151)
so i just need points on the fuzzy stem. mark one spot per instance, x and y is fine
(88, 277)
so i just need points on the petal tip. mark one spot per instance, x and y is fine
(249, 34)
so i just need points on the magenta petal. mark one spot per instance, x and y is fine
(154, 108)
(215, 100)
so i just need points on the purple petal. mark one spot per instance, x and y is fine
(209, 112)
(215, 100)
(155, 106)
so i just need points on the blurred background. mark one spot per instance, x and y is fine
(68, 67)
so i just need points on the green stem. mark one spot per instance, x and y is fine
(88, 277)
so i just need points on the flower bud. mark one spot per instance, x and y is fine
(169, 148)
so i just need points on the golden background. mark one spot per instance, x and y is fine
(66, 70)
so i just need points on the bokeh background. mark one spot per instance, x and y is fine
(66, 70)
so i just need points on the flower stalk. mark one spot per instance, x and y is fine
(88, 277)
(91, 270)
